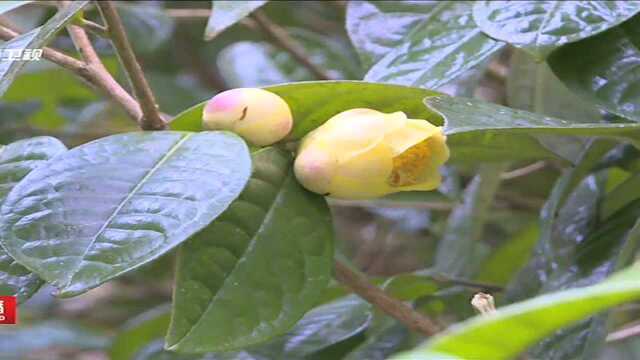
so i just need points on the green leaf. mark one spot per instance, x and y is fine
(509, 331)
(10, 5)
(621, 196)
(478, 130)
(539, 27)
(508, 259)
(16, 161)
(227, 13)
(252, 273)
(34, 39)
(322, 327)
(457, 253)
(19, 342)
(139, 331)
(427, 43)
(148, 26)
(609, 67)
(109, 206)
(312, 103)
(532, 86)
(381, 342)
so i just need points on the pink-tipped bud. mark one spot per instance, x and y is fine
(259, 116)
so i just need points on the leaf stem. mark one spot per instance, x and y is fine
(152, 120)
(282, 39)
(391, 306)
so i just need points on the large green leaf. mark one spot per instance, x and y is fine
(541, 26)
(608, 69)
(532, 86)
(34, 39)
(478, 130)
(16, 161)
(426, 43)
(312, 103)
(139, 331)
(251, 274)
(227, 13)
(457, 253)
(106, 207)
(513, 328)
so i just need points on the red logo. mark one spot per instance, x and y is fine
(8, 310)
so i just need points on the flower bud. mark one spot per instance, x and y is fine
(259, 116)
(363, 154)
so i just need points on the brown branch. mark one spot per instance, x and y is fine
(92, 75)
(281, 38)
(523, 171)
(152, 120)
(391, 306)
(95, 28)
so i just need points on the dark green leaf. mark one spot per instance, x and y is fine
(34, 39)
(251, 274)
(532, 86)
(111, 205)
(16, 161)
(139, 331)
(227, 13)
(322, 327)
(457, 253)
(381, 342)
(513, 328)
(17, 343)
(427, 43)
(478, 130)
(539, 27)
(312, 103)
(608, 69)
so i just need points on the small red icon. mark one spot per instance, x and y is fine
(8, 310)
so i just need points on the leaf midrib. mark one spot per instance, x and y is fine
(248, 249)
(124, 201)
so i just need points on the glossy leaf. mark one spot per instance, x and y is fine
(34, 39)
(109, 206)
(513, 328)
(539, 27)
(251, 274)
(608, 69)
(227, 13)
(322, 327)
(312, 103)
(457, 253)
(532, 86)
(478, 130)
(16, 161)
(426, 44)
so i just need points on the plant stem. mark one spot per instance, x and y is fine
(97, 77)
(281, 38)
(391, 306)
(152, 120)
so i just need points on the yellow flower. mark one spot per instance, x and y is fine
(259, 116)
(363, 154)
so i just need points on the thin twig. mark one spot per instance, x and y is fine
(626, 332)
(188, 13)
(523, 171)
(281, 38)
(95, 28)
(152, 120)
(391, 306)
(100, 80)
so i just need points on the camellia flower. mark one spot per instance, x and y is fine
(363, 154)
(259, 116)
